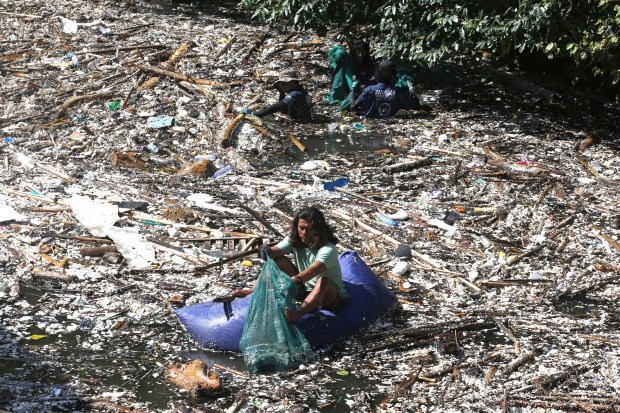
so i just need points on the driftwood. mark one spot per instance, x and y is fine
(225, 48)
(128, 48)
(168, 64)
(426, 335)
(565, 405)
(256, 45)
(97, 251)
(262, 220)
(296, 142)
(439, 373)
(75, 99)
(592, 287)
(185, 78)
(230, 128)
(407, 166)
(527, 254)
(60, 264)
(508, 334)
(233, 258)
(39, 273)
(400, 389)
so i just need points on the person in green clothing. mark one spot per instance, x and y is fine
(317, 271)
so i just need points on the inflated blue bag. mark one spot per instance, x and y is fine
(219, 325)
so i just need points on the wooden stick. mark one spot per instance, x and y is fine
(129, 48)
(186, 78)
(50, 209)
(299, 145)
(391, 240)
(27, 195)
(249, 244)
(231, 127)
(256, 45)
(230, 370)
(73, 100)
(508, 334)
(60, 264)
(606, 237)
(264, 131)
(449, 369)
(588, 166)
(34, 16)
(225, 48)
(262, 220)
(186, 257)
(514, 365)
(97, 251)
(39, 273)
(400, 389)
(55, 172)
(526, 254)
(233, 258)
(372, 201)
(168, 64)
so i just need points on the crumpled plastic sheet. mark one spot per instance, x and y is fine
(99, 219)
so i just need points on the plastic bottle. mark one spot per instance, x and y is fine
(387, 220)
(223, 171)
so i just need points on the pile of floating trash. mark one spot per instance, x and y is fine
(133, 186)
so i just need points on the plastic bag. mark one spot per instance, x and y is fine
(268, 341)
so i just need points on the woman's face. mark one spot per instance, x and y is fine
(360, 52)
(306, 232)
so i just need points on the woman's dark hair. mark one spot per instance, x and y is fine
(323, 232)
(386, 72)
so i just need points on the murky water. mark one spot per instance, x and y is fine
(127, 366)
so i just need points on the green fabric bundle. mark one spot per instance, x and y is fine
(340, 61)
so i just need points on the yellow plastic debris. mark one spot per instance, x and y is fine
(247, 263)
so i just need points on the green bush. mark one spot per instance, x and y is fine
(581, 35)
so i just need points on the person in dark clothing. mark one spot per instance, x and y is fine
(294, 100)
(385, 99)
(363, 68)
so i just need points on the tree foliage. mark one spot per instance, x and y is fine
(581, 34)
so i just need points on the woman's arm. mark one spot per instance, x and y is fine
(312, 271)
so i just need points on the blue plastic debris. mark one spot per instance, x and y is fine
(338, 183)
(158, 122)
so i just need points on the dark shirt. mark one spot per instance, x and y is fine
(297, 104)
(364, 72)
(383, 101)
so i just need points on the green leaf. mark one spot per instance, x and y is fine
(342, 373)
